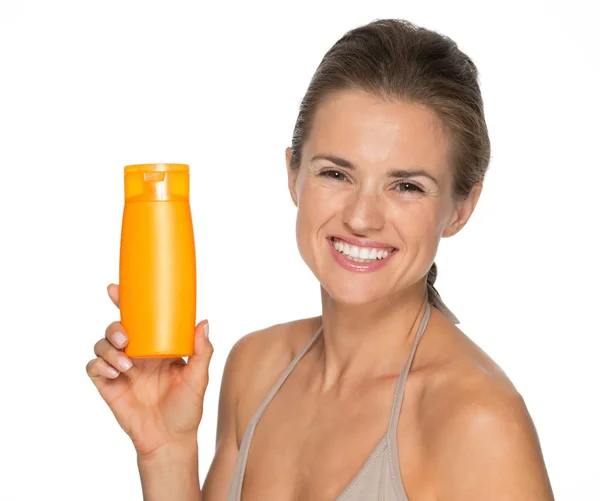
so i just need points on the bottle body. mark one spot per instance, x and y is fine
(157, 266)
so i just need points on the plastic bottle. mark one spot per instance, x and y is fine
(157, 268)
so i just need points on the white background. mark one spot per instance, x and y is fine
(89, 87)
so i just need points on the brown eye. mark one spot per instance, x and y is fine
(334, 174)
(409, 187)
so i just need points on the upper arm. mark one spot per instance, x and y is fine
(488, 448)
(220, 474)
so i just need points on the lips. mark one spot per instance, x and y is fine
(360, 259)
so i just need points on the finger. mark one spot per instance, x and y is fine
(113, 293)
(112, 355)
(196, 371)
(116, 335)
(98, 368)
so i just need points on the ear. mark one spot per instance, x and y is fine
(462, 211)
(292, 175)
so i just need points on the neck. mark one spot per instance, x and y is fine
(367, 341)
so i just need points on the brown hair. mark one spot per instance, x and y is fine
(395, 59)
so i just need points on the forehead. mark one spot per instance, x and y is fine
(369, 130)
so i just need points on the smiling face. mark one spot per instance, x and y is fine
(374, 195)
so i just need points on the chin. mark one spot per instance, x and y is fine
(354, 296)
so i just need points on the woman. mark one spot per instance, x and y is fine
(388, 156)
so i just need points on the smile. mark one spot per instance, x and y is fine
(360, 254)
(357, 258)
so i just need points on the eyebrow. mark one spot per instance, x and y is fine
(400, 173)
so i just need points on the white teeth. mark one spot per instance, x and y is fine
(360, 254)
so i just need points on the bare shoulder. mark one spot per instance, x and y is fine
(259, 358)
(479, 436)
(253, 365)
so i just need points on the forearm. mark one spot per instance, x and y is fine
(171, 474)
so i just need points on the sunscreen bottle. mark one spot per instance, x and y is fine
(157, 266)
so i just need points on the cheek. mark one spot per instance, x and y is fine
(417, 221)
(318, 203)
(444, 214)
(312, 213)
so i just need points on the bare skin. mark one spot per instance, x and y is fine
(310, 444)
(464, 431)
(159, 404)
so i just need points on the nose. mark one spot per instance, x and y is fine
(363, 213)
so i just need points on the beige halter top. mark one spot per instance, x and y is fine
(379, 478)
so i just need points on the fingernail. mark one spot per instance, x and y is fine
(206, 330)
(112, 371)
(124, 363)
(120, 338)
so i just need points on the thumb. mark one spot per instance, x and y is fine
(196, 370)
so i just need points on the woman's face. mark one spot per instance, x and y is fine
(374, 196)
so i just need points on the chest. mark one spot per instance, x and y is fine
(306, 449)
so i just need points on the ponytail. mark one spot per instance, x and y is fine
(434, 296)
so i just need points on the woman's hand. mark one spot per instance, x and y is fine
(157, 401)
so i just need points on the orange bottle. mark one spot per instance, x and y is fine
(157, 268)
